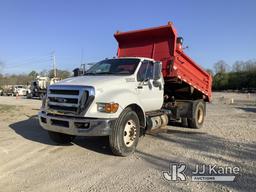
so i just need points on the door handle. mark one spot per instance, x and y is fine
(140, 87)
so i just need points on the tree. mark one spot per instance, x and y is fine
(1, 66)
(220, 81)
(250, 65)
(209, 71)
(63, 74)
(220, 67)
(33, 74)
(43, 73)
(237, 66)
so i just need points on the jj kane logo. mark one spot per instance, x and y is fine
(202, 172)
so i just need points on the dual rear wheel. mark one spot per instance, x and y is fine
(196, 122)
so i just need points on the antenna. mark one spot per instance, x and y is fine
(82, 55)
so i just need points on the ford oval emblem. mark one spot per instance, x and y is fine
(61, 100)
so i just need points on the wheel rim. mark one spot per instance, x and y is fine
(129, 133)
(200, 115)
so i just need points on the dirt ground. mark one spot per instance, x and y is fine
(30, 161)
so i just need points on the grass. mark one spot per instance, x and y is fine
(8, 108)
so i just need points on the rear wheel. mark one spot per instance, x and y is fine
(125, 133)
(61, 138)
(198, 117)
(184, 122)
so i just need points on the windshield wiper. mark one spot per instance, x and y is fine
(90, 74)
(101, 73)
(107, 73)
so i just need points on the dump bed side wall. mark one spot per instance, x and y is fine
(186, 70)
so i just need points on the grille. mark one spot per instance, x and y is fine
(70, 100)
(64, 92)
(66, 100)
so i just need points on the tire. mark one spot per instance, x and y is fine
(184, 122)
(61, 138)
(41, 96)
(125, 133)
(29, 96)
(198, 116)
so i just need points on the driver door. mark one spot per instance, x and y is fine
(150, 96)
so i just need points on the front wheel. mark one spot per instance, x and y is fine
(61, 138)
(125, 133)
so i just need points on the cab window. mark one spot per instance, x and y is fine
(146, 71)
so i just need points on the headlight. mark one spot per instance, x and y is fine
(107, 107)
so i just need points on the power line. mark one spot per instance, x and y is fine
(31, 63)
(15, 61)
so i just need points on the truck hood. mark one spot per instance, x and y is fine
(96, 81)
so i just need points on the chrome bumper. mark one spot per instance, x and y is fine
(76, 126)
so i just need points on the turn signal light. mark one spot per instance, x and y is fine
(108, 107)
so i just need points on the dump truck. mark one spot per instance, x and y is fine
(38, 86)
(151, 83)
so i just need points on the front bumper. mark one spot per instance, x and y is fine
(76, 126)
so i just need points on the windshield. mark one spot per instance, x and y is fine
(114, 67)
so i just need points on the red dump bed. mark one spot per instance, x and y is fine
(160, 44)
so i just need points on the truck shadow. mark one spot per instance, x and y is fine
(207, 149)
(96, 144)
(30, 129)
(248, 109)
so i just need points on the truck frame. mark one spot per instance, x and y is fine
(150, 84)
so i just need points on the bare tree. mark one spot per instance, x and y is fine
(250, 65)
(209, 71)
(44, 73)
(221, 67)
(238, 66)
(1, 66)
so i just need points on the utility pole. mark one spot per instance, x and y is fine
(54, 64)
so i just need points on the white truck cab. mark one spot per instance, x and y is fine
(111, 99)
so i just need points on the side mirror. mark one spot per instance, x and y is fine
(157, 74)
(157, 70)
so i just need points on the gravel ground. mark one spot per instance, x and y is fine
(30, 161)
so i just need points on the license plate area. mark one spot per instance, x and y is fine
(60, 123)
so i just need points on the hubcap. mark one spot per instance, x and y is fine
(129, 133)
